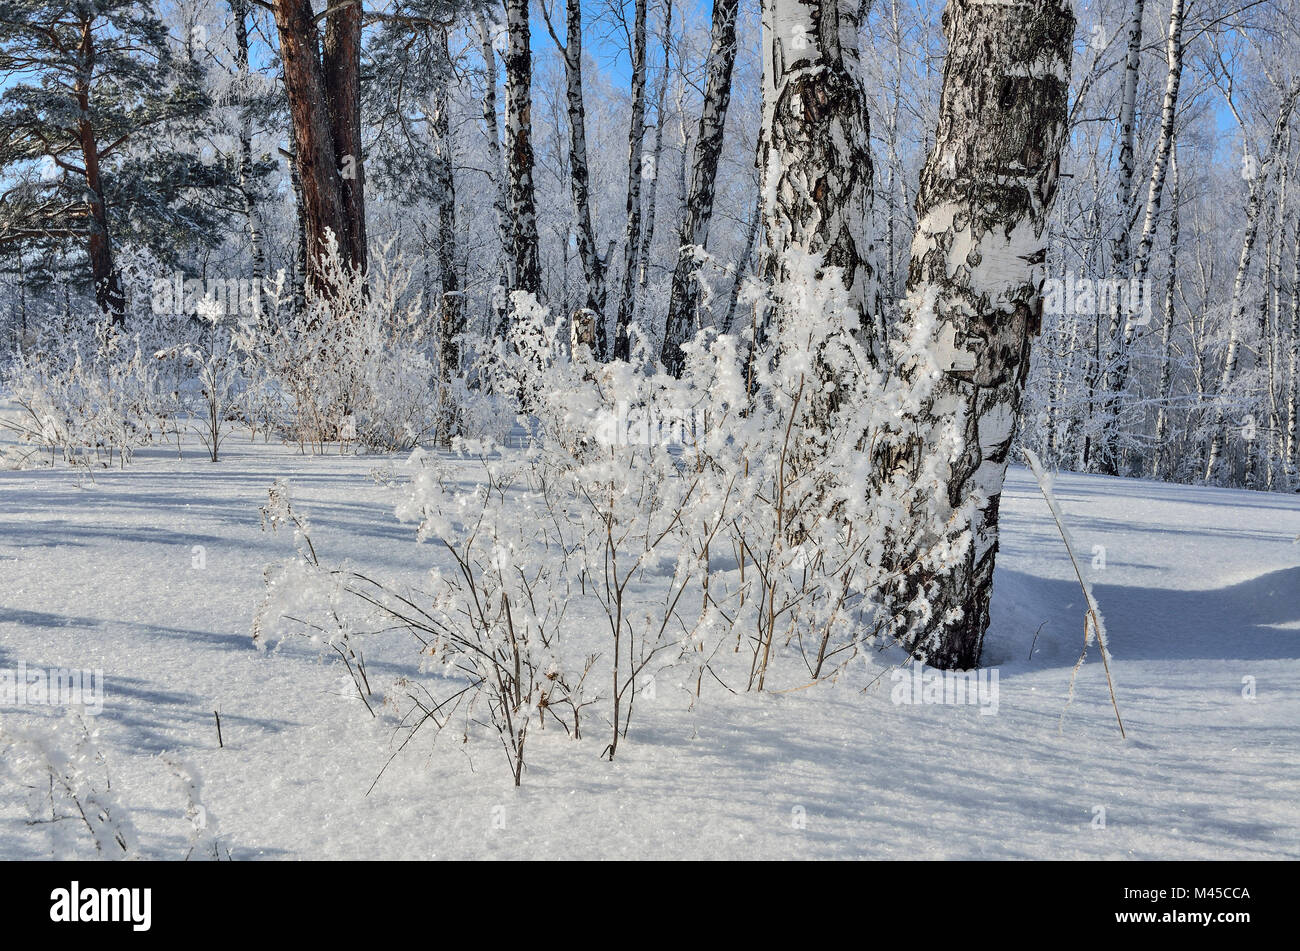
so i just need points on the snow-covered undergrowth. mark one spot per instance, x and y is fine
(662, 607)
(154, 575)
(355, 367)
(747, 547)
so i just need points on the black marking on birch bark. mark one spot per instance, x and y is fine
(986, 190)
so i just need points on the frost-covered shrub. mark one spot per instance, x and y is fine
(92, 400)
(71, 794)
(68, 787)
(730, 525)
(494, 659)
(355, 365)
(213, 361)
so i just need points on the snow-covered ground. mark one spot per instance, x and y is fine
(1200, 589)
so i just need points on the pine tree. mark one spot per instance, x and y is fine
(96, 78)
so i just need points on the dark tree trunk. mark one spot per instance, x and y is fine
(315, 158)
(103, 271)
(322, 82)
(341, 62)
(683, 299)
(635, 144)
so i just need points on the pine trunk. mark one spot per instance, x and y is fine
(103, 270)
(341, 68)
(315, 158)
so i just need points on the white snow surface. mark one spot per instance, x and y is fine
(1201, 588)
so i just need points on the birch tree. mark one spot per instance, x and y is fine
(247, 190)
(656, 154)
(451, 307)
(1167, 330)
(985, 196)
(1254, 206)
(1123, 331)
(496, 170)
(527, 274)
(635, 172)
(694, 232)
(1293, 365)
(815, 147)
(593, 263)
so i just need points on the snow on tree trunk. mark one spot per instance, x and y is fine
(1141, 265)
(684, 295)
(451, 306)
(519, 149)
(814, 152)
(656, 153)
(1164, 147)
(1293, 365)
(635, 171)
(985, 196)
(1270, 322)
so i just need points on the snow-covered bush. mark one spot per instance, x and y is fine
(298, 590)
(87, 400)
(213, 360)
(355, 364)
(205, 831)
(730, 523)
(70, 792)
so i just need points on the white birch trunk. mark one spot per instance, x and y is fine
(985, 197)
(815, 147)
(1254, 206)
